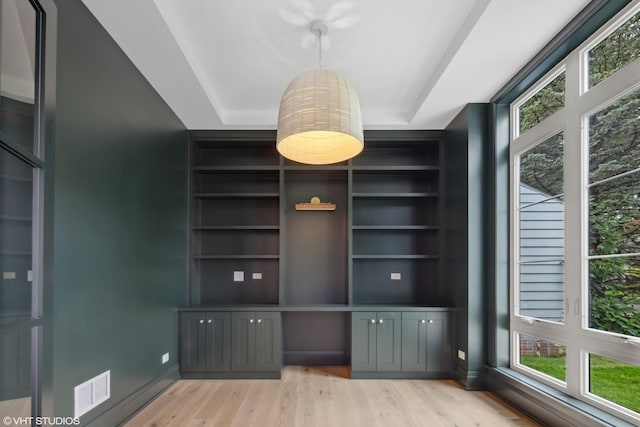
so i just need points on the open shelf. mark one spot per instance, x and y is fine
(395, 155)
(381, 256)
(418, 283)
(236, 256)
(314, 168)
(257, 155)
(234, 195)
(236, 212)
(393, 195)
(234, 168)
(409, 168)
(218, 287)
(395, 227)
(235, 227)
(400, 212)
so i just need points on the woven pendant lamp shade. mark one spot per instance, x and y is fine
(319, 122)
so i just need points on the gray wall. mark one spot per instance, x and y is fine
(466, 140)
(120, 247)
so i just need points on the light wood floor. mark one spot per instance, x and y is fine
(16, 407)
(325, 396)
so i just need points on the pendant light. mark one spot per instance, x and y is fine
(319, 121)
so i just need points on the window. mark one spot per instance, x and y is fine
(543, 103)
(541, 231)
(614, 51)
(575, 222)
(614, 216)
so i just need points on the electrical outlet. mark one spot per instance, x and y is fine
(238, 276)
(461, 355)
(396, 276)
(256, 276)
(29, 276)
(165, 358)
(9, 275)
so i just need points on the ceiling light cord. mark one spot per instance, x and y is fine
(319, 49)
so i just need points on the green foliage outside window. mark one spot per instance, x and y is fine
(614, 52)
(547, 101)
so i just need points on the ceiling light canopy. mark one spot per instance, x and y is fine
(319, 121)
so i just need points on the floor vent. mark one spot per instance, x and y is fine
(91, 393)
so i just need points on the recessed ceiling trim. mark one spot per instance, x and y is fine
(154, 51)
(191, 58)
(465, 29)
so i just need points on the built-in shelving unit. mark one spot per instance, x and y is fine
(235, 222)
(378, 250)
(395, 222)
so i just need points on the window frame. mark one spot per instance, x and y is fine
(572, 120)
(43, 130)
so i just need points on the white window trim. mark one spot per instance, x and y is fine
(572, 120)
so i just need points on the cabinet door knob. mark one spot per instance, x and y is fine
(373, 320)
(423, 321)
(259, 320)
(209, 321)
(430, 320)
(201, 321)
(380, 321)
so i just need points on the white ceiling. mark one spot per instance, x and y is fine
(414, 63)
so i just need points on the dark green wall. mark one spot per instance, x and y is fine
(120, 267)
(464, 237)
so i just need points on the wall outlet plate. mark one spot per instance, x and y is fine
(165, 358)
(238, 276)
(396, 276)
(256, 276)
(9, 275)
(461, 355)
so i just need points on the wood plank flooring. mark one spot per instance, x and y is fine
(325, 396)
(16, 407)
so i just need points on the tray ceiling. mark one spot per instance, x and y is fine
(414, 63)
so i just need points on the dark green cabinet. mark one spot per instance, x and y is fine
(438, 343)
(363, 341)
(205, 345)
(425, 342)
(408, 344)
(376, 342)
(256, 342)
(235, 344)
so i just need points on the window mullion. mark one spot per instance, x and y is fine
(573, 227)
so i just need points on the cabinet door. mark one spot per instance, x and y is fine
(438, 353)
(192, 341)
(243, 341)
(388, 340)
(218, 342)
(363, 341)
(414, 342)
(268, 342)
